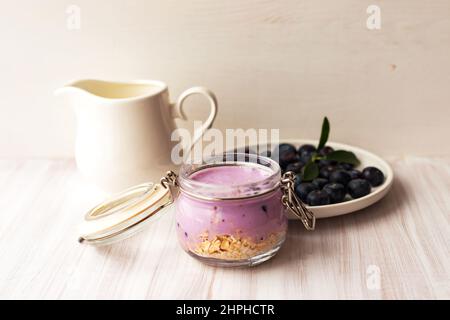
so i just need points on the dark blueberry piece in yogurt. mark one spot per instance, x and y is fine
(320, 182)
(340, 176)
(318, 198)
(264, 208)
(303, 189)
(186, 234)
(336, 192)
(373, 175)
(358, 188)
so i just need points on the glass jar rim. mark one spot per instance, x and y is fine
(207, 190)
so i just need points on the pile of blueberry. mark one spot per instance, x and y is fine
(335, 179)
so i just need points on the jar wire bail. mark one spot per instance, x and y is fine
(169, 181)
(293, 203)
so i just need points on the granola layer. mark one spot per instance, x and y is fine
(235, 247)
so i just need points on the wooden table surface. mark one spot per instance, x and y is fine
(396, 249)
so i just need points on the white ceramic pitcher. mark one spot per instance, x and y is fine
(124, 129)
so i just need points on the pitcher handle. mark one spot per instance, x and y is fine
(179, 112)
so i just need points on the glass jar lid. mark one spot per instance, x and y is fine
(124, 214)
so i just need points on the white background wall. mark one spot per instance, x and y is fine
(273, 64)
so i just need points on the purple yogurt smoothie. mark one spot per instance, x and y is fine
(257, 221)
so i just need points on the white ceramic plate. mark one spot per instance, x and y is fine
(367, 159)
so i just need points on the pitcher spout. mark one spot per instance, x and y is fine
(70, 88)
(114, 90)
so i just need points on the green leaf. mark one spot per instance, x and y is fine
(343, 156)
(310, 171)
(324, 134)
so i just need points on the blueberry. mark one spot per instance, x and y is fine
(297, 180)
(319, 182)
(323, 163)
(305, 156)
(358, 188)
(354, 174)
(326, 150)
(303, 189)
(306, 147)
(326, 171)
(340, 176)
(295, 167)
(284, 153)
(283, 147)
(336, 192)
(318, 198)
(373, 175)
(345, 166)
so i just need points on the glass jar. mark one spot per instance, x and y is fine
(229, 210)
